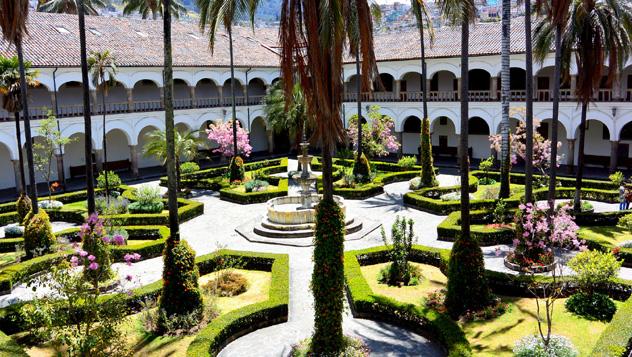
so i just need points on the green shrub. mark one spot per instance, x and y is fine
(467, 284)
(407, 162)
(189, 168)
(181, 294)
(228, 283)
(362, 169)
(594, 268)
(501, 212)
(328, 278)
(615, 339)
(399, 271)
(256, 186)
(113, 205)
(594, 306)
(617, 178)
(485, 166)
(236, 169)
(585, 205)
(14, 231)
(113, 180)
(138, 207)
(626, 222)
(23, 206)
(147, 195)
(38, 235)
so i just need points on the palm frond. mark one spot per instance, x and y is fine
(13, 16)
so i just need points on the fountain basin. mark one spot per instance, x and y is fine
(286, 210)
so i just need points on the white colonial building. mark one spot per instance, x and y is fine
(202, 91)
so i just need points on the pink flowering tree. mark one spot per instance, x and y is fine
(539, 236)
(222, 134)
(541, 148)
(378, 137)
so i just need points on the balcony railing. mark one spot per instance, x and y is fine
(76, 110)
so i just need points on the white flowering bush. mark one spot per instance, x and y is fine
(453, 196)
(50, 204)
(533, 346)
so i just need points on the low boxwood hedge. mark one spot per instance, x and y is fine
(439, 326)
(616, 339)
(246, 198)
(225, 328)
(215, 335)
(595, 238)
(15, 274)
(519, 178)
(218, 172)
(450, 229)
(366, 304)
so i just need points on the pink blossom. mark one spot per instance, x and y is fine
(118, 239)
(222, 134)
(74, 261)
(498, 252)
(105, 239)
(91, 258)
(93, 266)
(377, 133)
(83, 253)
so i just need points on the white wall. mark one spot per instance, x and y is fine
(7, 175)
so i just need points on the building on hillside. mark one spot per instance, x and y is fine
(202, 82)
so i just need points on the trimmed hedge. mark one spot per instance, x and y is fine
(226, 328)
(15, 274)
(246, 198)
(518, 178)
(593, 240)
(616, 339)
(364, 303)
(219, 172)
(450, 229)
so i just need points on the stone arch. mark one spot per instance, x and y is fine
(411, 135)
(118, 142)
(443, 84)
(11, 144)
(187, 77)
(444, 136)
(155, 77)
(70, 99)
(599, 116)
(148, 121)
(258, 135)
(7, 170)
(142, 139)
(436, 67)
(447, 113)
(479, 79)
(147, 95)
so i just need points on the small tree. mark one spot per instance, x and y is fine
(44, 150)
(485, 166)
(428, 177)
(377, 136)
(38, 234)
(222, 134)
(399, 271)
(93, 236)
(186, 147)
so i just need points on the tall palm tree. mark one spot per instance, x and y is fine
(10, 88)
(528, 169)
(153, 7)
(467, 286)
(13, 16)
(312, 37)
(596, 32)
(91, 7)
(505, 163)
(186, 147)
(214, 13)
(420, 10)
(81, 7)
(102, 67)
(554, 15)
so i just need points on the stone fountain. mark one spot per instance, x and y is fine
(295, 216)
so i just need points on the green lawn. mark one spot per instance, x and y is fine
(495, 337)
(8, 258)
(606, 235)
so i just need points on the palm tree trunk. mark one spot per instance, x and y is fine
(505, 163)
(463, 145)
(580, 159)
(18, 136)
(87, 115)
(328, 185)
(555, 121)
(172, 183)
(232, 90)
(424, 73)
(27, 127)
(105, 147)
(359, 102)
(528, 194)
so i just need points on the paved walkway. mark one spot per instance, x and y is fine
(215, 229)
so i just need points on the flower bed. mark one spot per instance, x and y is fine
(245, 198)
(367, 303)
(222, 329)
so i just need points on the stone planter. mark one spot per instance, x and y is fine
(537, 269)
